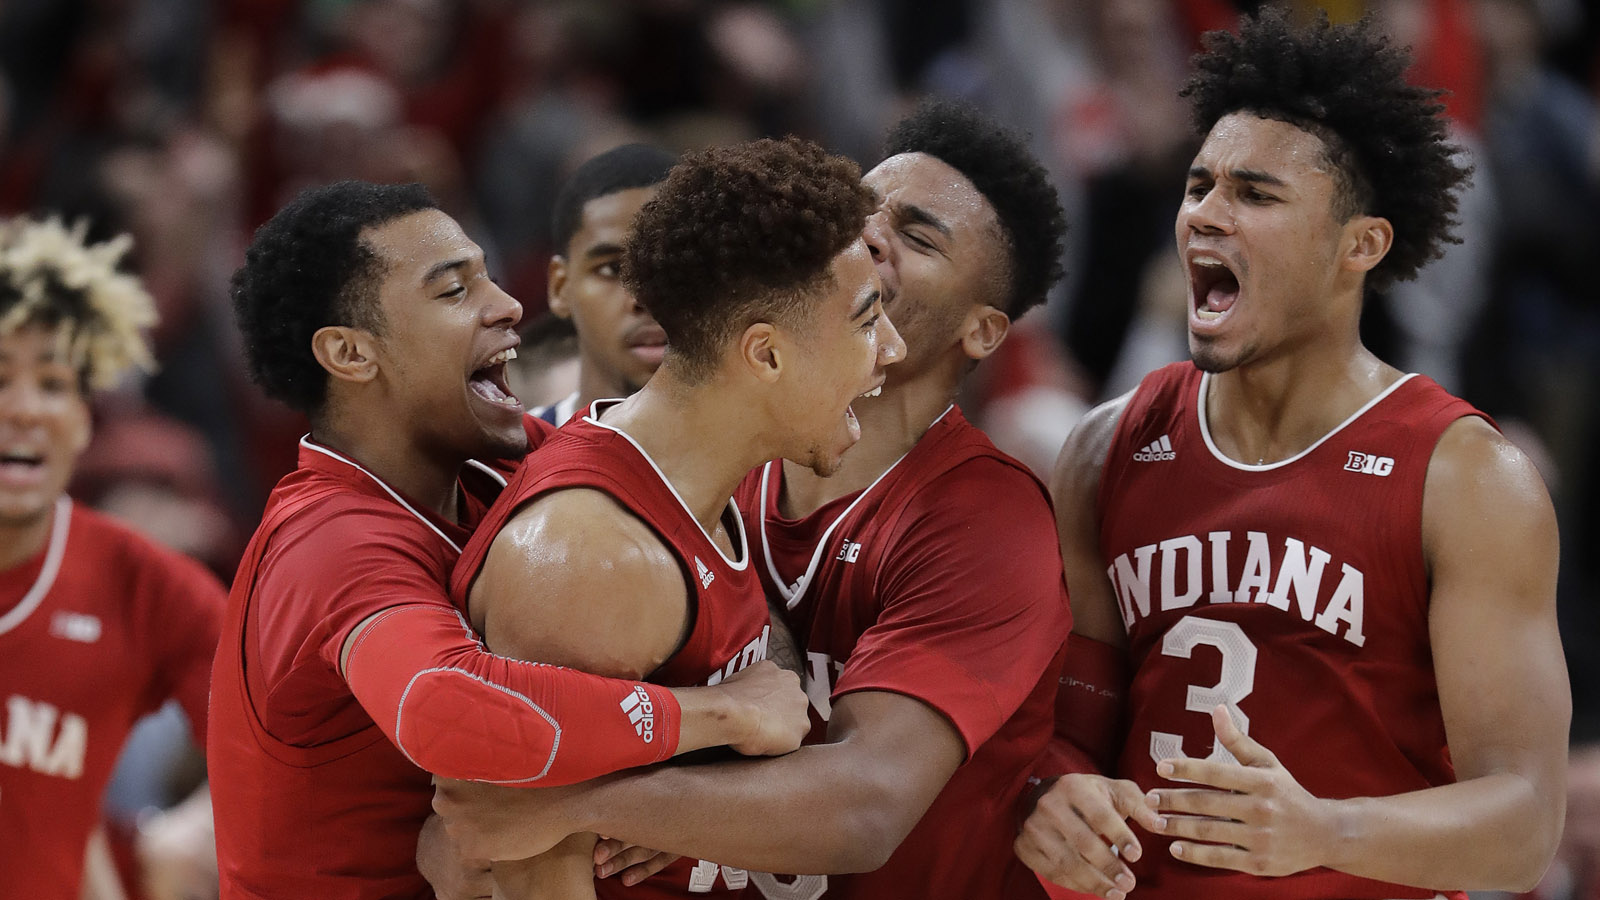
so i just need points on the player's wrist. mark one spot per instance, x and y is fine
(1337, 838)
(712, 717)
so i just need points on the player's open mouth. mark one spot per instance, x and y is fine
(21, 465)
(489, 382)
(875, 391)
(1213, 287)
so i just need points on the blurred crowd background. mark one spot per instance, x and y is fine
(188, 122)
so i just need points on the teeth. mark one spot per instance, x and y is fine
(1208, 262)
(503, 356)
(874, 392)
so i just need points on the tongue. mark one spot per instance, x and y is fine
(1221, 296)
(487, 389)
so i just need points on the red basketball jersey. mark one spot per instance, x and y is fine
(311, 799)
(1249, 585)
(100, 628)
(940, 581)
(731, 624)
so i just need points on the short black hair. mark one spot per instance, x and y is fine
(738, 235)
(618, 169)
(997, 162)
(1386, 139)
(308, 268)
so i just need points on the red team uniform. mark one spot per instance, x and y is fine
(314, 796)
(1247, 585)
(99, 629)
(940, 581)
(731, 624)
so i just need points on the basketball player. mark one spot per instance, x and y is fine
(624, 523)
(344, 676)
(619, 345)
(98, 625)
(922, 580)
(1332, 582)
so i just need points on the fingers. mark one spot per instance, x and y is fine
(1066, 837)
(1243, 747)
(640, 871)
(1130, 801)
(1215, 856)
(1209, 830)
(1054, 858)
(1225, 775)
(1204, 802)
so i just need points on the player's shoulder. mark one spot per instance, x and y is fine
(119, 550)
(337, 521)
(1475, 465)
(1084, 452)
(584, 532)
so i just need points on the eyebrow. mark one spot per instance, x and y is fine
(603, 249)
(1253, 176)
(916, 215)
(866, 304)
(440, 268)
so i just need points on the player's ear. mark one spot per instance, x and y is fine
(1370, 238)
(556, 282)
(760, 352)
(348, 353)
(985, 327)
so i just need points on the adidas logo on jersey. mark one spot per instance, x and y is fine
(1158, 451)
(641, 712)
(706, 575)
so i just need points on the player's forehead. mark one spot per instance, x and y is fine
(1247, 147)
(36, 343)
(606, 219)
(421, 247)
(855, 283)
(908, 184)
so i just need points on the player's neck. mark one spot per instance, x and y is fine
(595, 383)
(416, 472)
(22, 541)
(702, 441)
(891, 424)
(1270, 411)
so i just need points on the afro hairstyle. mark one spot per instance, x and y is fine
(1386, 139)
(738, 235)
(998, 164)
(618, 169)
(308, 268)
(51, 275)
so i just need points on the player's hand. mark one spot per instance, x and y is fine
(1076, 821)
(497, 823)
(1253, 817)
(452, 876)
(775, 706)
(632, 864)
(177, 852)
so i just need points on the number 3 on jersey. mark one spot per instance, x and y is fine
(1237, 681)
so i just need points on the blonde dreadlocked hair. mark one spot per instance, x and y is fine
(51, 275)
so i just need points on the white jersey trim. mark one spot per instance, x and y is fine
(792, 593)
(307, 444)
(55, 552)
(592, 417)
(1205, 428)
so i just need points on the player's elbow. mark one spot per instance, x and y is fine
(1532, 847)
(455, 725)
(872, 828)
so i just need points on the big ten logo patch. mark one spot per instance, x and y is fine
(1369, 464)
(849, 551)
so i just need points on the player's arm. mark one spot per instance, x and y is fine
(839, 806)
(1076, 814)
(923, 687)
(461, 711)
(1489, 538)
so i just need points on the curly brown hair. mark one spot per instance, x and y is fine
(1387, 139)
(738, 235)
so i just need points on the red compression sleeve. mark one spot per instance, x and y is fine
(1089, 709)
(458, 711)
